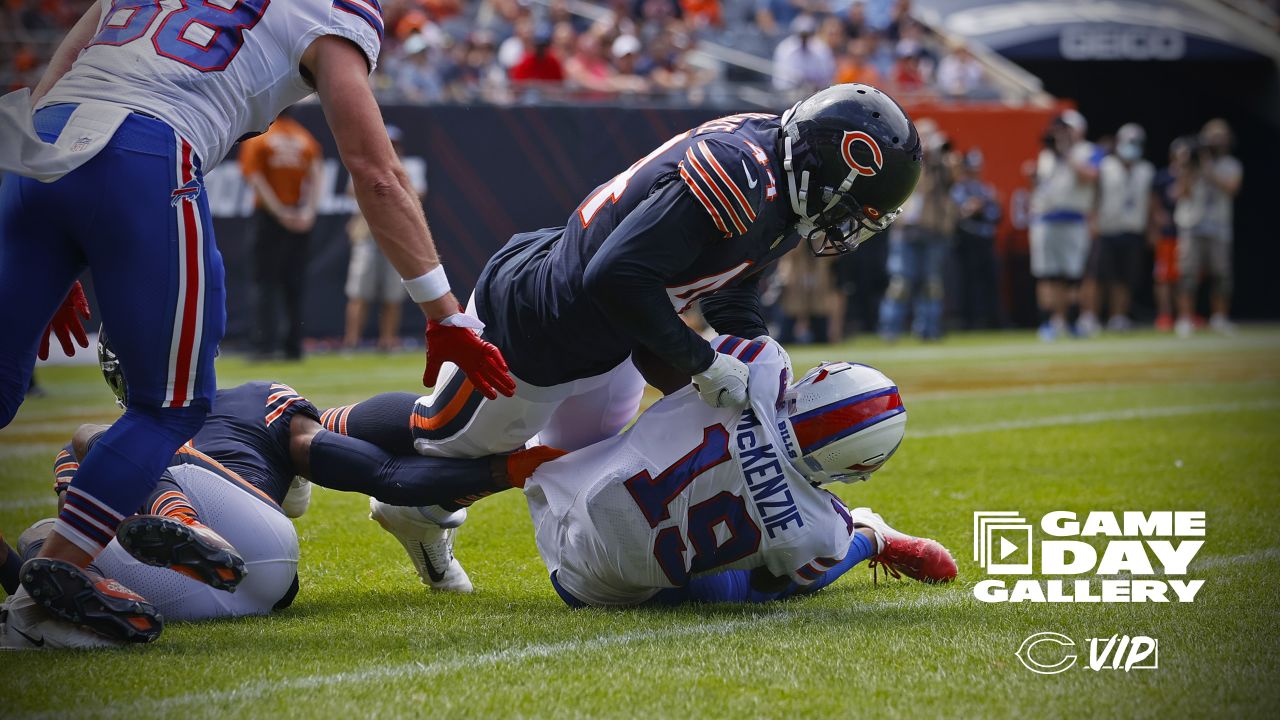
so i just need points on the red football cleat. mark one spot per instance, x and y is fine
(901, 554)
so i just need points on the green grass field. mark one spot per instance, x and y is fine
(997, 422)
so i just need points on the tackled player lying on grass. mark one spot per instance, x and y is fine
(695, 503)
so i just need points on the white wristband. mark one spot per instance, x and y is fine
(426, 288)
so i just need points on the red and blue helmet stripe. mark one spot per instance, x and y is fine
(822, 426)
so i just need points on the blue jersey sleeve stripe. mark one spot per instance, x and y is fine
(362, 10)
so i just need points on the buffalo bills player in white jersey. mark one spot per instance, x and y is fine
(725, 504)
(141, 98)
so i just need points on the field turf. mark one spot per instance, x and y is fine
(997, 422)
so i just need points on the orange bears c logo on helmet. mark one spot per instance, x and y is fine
(846, 149)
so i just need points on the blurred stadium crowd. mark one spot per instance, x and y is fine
(504, 51)
(1109, 230)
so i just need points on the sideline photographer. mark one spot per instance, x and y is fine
(1208, 179)
(1065, 178)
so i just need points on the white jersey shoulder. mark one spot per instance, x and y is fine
(688, 489)
(214, 70)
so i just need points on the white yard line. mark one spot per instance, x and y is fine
(1093, 417)
(28, 503)
(1034, 349)
(421, 670)
(928, 597)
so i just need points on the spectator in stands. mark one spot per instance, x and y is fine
(417, 77)
(564, 40)
(539, 63)
(626, 79)
(518, 46)
(855, 66)
(960, 74)
(880, 14)
(1065, 177)
(1206, 191)
(702, 13)
(802, 61)
(978, 215)
(773, 15)
(1125, 183)
(476, 73)
(909, 76)
(1165, 242)
(588, 69)
(855, 19)
(831, 33)
(919, 242)
(284, 168)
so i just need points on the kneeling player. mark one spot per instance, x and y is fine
(701, 503)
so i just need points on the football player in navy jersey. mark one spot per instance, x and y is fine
(698, 218)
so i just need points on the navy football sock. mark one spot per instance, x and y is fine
(384, 420)
(345, 463)
(9, 572)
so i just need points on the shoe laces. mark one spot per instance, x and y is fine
(882, 562)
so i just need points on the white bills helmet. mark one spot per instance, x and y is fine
(845, 421)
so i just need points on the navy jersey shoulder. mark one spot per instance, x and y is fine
(248, 432)
(530, 294)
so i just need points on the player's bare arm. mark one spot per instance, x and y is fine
(75, 41)
(391, 206)
(382, 187)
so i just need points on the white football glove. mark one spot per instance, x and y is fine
(724, 384)
(786, 359)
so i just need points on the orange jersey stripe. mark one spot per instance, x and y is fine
(190, 449)
(710, 183)
(271, 417)
(446, 414)
(703, 199)
(733, 187)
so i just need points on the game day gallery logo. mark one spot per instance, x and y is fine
(1107, 557)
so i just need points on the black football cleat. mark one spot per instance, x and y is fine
(183, 545)
(85, 598)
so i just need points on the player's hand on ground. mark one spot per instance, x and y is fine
(67, 323)
(456, 339)
(724, 383)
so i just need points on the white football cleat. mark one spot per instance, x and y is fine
(298, 499)
(427, 536)
(24, 625)
(34, 536)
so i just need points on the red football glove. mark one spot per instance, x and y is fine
(480, 360)
(66, 323)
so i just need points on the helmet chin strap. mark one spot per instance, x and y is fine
(799, 195)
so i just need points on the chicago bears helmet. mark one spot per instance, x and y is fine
(852, 157)
(111, 370)
(846, 420)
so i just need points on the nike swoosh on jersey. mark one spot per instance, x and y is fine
(775, 242)
(432, 572)
(751, 179)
